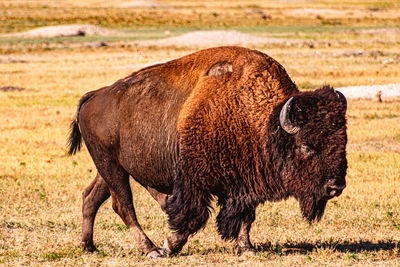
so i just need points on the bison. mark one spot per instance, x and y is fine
(225, 123)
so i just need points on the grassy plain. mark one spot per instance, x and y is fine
(40, 186)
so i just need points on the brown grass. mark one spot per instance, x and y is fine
(40, 186)
(23, 14)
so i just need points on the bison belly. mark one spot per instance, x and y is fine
(148, 136)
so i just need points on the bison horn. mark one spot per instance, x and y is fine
(341, 96)
(284, 119)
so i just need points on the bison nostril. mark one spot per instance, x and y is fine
(333, 193)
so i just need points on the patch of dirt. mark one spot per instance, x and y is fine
(211, 38)
(358, 53)
(373, 146)
(344, 13)
(149, 3)
(11, 88)
(305, 12)
(371, 91)
(65, 30)
(11, 59)
(379, 31)
(258, 12)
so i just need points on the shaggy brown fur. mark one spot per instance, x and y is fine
(208, 125)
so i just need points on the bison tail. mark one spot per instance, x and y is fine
(75, 137)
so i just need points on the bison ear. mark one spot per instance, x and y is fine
(287, 117)
(338, 94)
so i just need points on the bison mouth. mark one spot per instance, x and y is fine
(312, 209)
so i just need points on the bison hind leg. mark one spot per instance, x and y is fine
(93, 196)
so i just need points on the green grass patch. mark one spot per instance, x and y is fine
(66, 252)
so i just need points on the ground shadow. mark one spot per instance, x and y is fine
(345, 247)
(305, 247)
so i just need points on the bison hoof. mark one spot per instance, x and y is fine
(250, 252)
(166, 249)
(89, 247)
(174, 243)
(155, 254)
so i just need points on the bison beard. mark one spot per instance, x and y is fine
(312, 209)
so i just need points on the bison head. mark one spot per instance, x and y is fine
(314, 133)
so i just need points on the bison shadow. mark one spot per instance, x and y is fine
(344, 247)
(305, 248)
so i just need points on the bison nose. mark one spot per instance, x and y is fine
(334, 190)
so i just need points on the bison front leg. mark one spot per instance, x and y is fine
(93, 196)
(188, 211)
(174, 243)
(234, 222)
(243, 240)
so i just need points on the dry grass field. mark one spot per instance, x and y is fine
(342, 43)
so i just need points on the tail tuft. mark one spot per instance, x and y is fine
(75, 138)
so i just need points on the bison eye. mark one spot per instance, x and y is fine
(305, 150)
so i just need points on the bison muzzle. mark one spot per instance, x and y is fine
(225, 123)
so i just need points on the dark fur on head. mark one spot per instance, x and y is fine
(317, 153)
